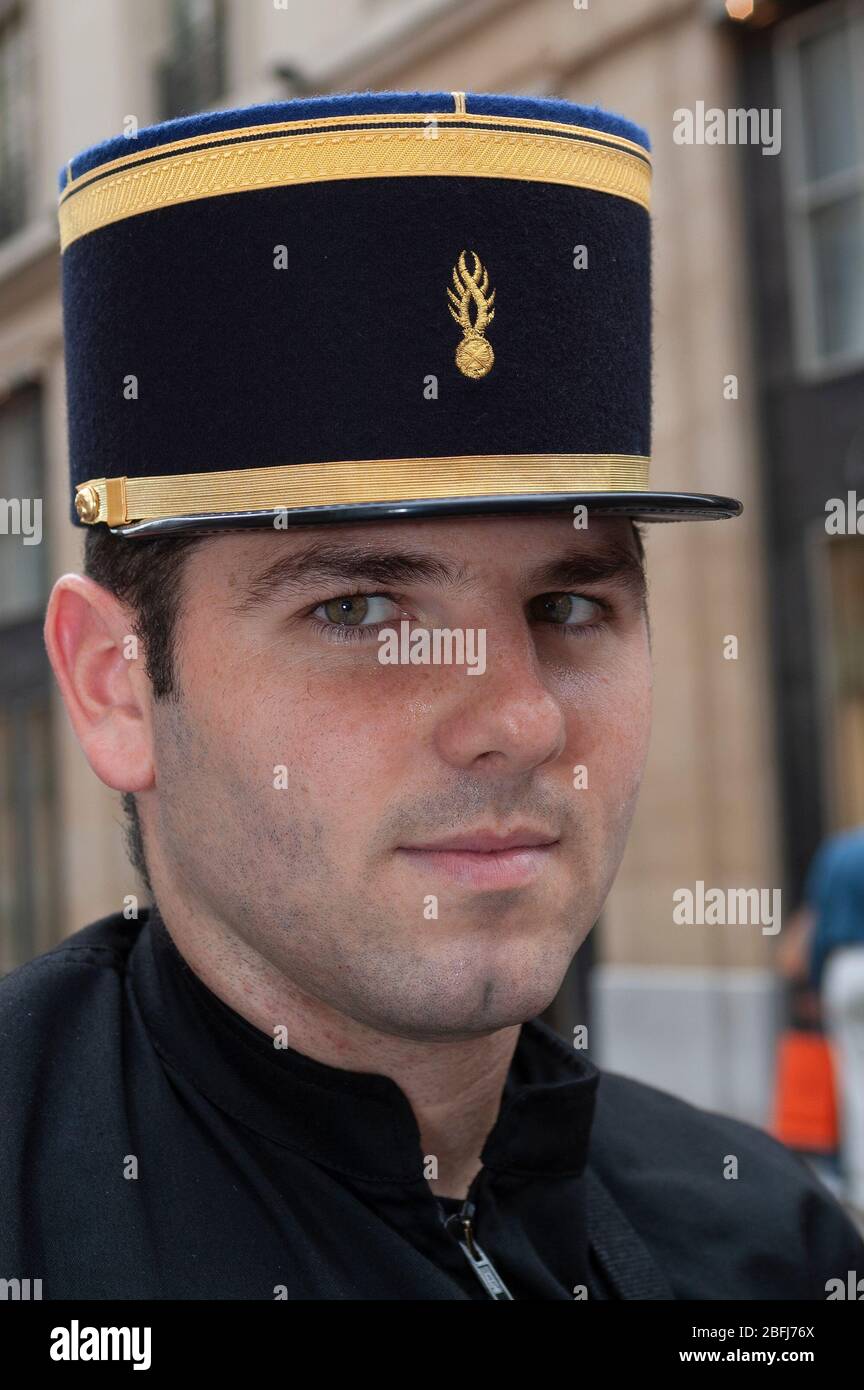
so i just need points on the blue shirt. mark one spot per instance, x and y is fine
(835, 892)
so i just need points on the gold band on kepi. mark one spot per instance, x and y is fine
(346, 150)
(359, 307)
(119, 501)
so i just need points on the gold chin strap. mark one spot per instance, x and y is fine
(118, 501)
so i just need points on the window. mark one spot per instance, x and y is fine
(821, 82)
(192, 76)
(27, 840)
(16, 117)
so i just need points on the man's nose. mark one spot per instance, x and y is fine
(506, 717)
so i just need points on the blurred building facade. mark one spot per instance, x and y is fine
(748, 763)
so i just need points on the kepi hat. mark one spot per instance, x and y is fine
(362, 306)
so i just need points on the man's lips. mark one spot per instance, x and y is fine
(488, 841)
(485, 859)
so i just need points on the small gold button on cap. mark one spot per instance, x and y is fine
(87, 504)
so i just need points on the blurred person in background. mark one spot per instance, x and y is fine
(834, 897)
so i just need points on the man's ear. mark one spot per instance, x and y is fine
(100, 670)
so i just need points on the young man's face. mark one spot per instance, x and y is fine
(301, 785)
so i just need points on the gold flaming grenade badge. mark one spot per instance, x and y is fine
(474, 355)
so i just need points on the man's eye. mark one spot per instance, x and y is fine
(357, 610)
(565, 610)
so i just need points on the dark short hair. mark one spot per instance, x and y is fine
(147, 575)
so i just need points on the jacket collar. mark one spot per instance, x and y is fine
(357, 1123)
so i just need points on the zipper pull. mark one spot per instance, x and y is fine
(461, 1228)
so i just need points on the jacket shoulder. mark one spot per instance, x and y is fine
(40, 999)
(727, 1210)
(105, 943)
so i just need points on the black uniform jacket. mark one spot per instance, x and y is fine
(156, 1145)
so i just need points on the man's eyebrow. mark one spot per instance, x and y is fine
(316, 564)
(613, 562)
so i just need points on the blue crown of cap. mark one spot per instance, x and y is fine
(355, 104)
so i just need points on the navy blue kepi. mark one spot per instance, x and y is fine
(362, 306)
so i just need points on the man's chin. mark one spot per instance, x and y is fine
(471, 1001)
(464, 1024)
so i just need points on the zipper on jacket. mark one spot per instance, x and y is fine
(461, 1226)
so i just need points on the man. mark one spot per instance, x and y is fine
(359, 406)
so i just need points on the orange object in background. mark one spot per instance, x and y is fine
(805, 1103)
